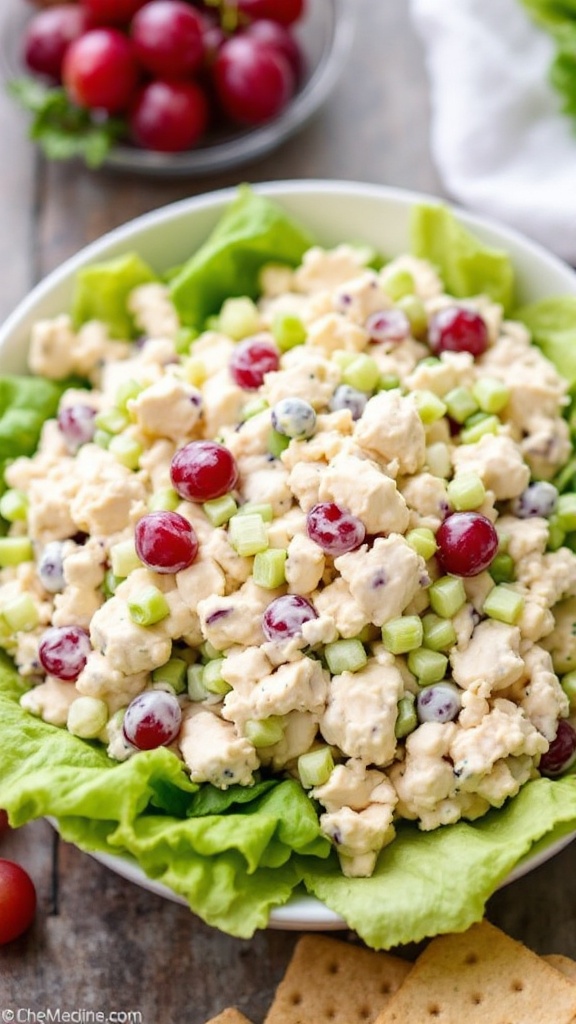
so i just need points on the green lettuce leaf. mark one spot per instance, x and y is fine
(252, 231)
(25, 403)
(466, 265)
(102, 289)
(552, 324)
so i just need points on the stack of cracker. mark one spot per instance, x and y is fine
(481, 976)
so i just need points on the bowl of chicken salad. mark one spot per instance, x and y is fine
(287, 557)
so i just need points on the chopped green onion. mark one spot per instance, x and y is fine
(461, 404)
(126, 449)
(466, 491)
(264, 732)
(423, 541)
(238, 318)
(14, 550)
(112, 420)
(173, 673)
(195, 686)
(268, 570)
(438, 460)
(149, 607)
(212, 677)
(439, 633)
(504, 604)
(252, 408)
(406, 718)
(277, 443)
(288, 330)
(14, 506)
(262, 509)
(473, 432)
(402, 634)
(345, 656)
(430, 408)
(397, 283)
(502, 568)
(20, 613)
(428, 666)
(165, 500)
(362, 373)
(87, 716)
(248, 534)
(123, 558)
(315, 767)
(447, 595)
(220, 510)
(413, 307)
(491, 394)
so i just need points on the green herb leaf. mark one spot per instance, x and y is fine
(62, 129)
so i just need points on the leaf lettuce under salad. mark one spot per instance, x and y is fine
(237, 854)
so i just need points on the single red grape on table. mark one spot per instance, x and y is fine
(17, 901)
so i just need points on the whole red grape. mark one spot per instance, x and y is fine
(17, 901)
(284, 11)
(111, 12)
(253, 82)
(47, 37)
(100, 70)
(169, 116)
(168, 37)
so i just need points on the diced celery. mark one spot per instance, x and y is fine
(248, 534)
(466, 491)
(569, 686)
(461, 404)
(185, 338)
(447, 595)
(102, 438)
(208, 652)
(504, 604)
(195, 686)
(126, 392)
(220, 510)
(288, 330)
(413, 307)
(430, 408)
(491, 394)
(20, 613)
(423, 541)
(277, 443)
(502, 568)
(566, 512)
(14, 550)
(388, 382)
(315, 767)
(239, 317)
(87, 716)
(14, 506)
(362, 373)
(556, 535)
(165, 500)
(126, 449)
(212, 677)
(268, 570)
(345, 656)
(123, 558)
(439, 633)
(195, 371)
(252, 408)
(149, 607)
(406, 718)
(110, 583)
(503, 540)
(173, 673)
(343, 358)
(368, 634)
(397, 282)
(264, 510)
(428, 666)
(402, 634)
(438, 460)
(112, 420)
(264, 732)
(473, 432)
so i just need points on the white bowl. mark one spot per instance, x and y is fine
(325, 35)
(333, 211)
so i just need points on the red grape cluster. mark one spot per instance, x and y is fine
(170, 69)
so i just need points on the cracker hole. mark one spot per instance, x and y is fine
(364, 1013)
(330, 1013)
(476, 999)
(295, 998)
(333, 967)
(385, 988)
(434, 1010)
(517, 985)
(471, 958)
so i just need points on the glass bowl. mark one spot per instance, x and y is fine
(325, 34)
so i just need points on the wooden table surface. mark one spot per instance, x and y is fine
(98, 942)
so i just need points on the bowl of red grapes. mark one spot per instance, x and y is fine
(171, 86)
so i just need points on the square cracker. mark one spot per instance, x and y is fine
(229, 1016)
(481, 976)
(329, 980)
(562, 963)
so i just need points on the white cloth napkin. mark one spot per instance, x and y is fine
(498, 139)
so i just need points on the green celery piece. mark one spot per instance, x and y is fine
(466, 265)
(101, 291)
(253, 231)
(552, 324)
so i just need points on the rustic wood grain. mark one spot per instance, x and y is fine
(99, 942)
